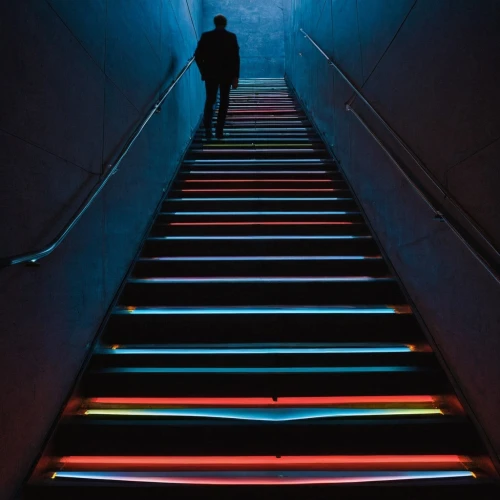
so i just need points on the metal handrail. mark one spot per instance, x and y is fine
(110, 170)
(438, 213)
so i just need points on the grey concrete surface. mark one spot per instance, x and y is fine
(259, 26)
(77, 76)
(432, 70)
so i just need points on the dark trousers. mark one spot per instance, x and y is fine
(212, 86)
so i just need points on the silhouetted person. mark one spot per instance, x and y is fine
(218, 58)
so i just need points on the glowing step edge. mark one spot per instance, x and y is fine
(265, 190)
(255, 172)
(245, 350)
(265, 415)
(283, 462)
(262, 258)
(172, 311)
(255, 213)
(254, 161)
(220, 181)
(333, 198)
(313, 279)
(264, 370)
(260, 237)
(263, 223)
(293, 401)
(280, 479)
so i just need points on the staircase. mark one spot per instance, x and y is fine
(260, 346)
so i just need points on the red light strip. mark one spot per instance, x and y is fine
(336, 462)
(253, 402)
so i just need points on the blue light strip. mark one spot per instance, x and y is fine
(245, 350)
(354, 476)
(264, 414)
(175, 311)
(270, 370)
(233, 258)
(256, 213)
(260, 279)
(258, 237)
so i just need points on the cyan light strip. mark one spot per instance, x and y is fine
(253, 161)
(271, 477)
(255, 172)
(238, 258)
(267, 370)
(245, 350)
(259, 279)
(255, 213)
(259, 237)
(264, 414)
(173, 311)
(260, 199)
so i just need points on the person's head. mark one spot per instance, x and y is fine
(220, 21)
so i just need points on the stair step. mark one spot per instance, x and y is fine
(267, 203)
(432, 489)
(407, 436)
(258, 245)
(166, 325)
(261, 266)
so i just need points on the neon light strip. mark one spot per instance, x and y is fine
(254, 161)
(250, 146)
(255, 213)
(259, 461)
(281, 130)
(261, 258)
(263, 190)
(268, 350)
(174, 311)
(259, 237)
(256, 172)
(266, 370)
(254, 402)
(266, 415)
(260, 199)
(262, 481)
(259, 279)
(254, 180)
(263, 223)
(253, 149)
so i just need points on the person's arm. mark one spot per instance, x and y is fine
(236, 63)
(199, 55)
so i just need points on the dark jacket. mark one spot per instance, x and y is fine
(218, 56)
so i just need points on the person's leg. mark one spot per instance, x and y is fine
(224, 105)
(211, 88)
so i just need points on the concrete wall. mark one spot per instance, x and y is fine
(431, 69)
(258, 25)
(77, 75)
